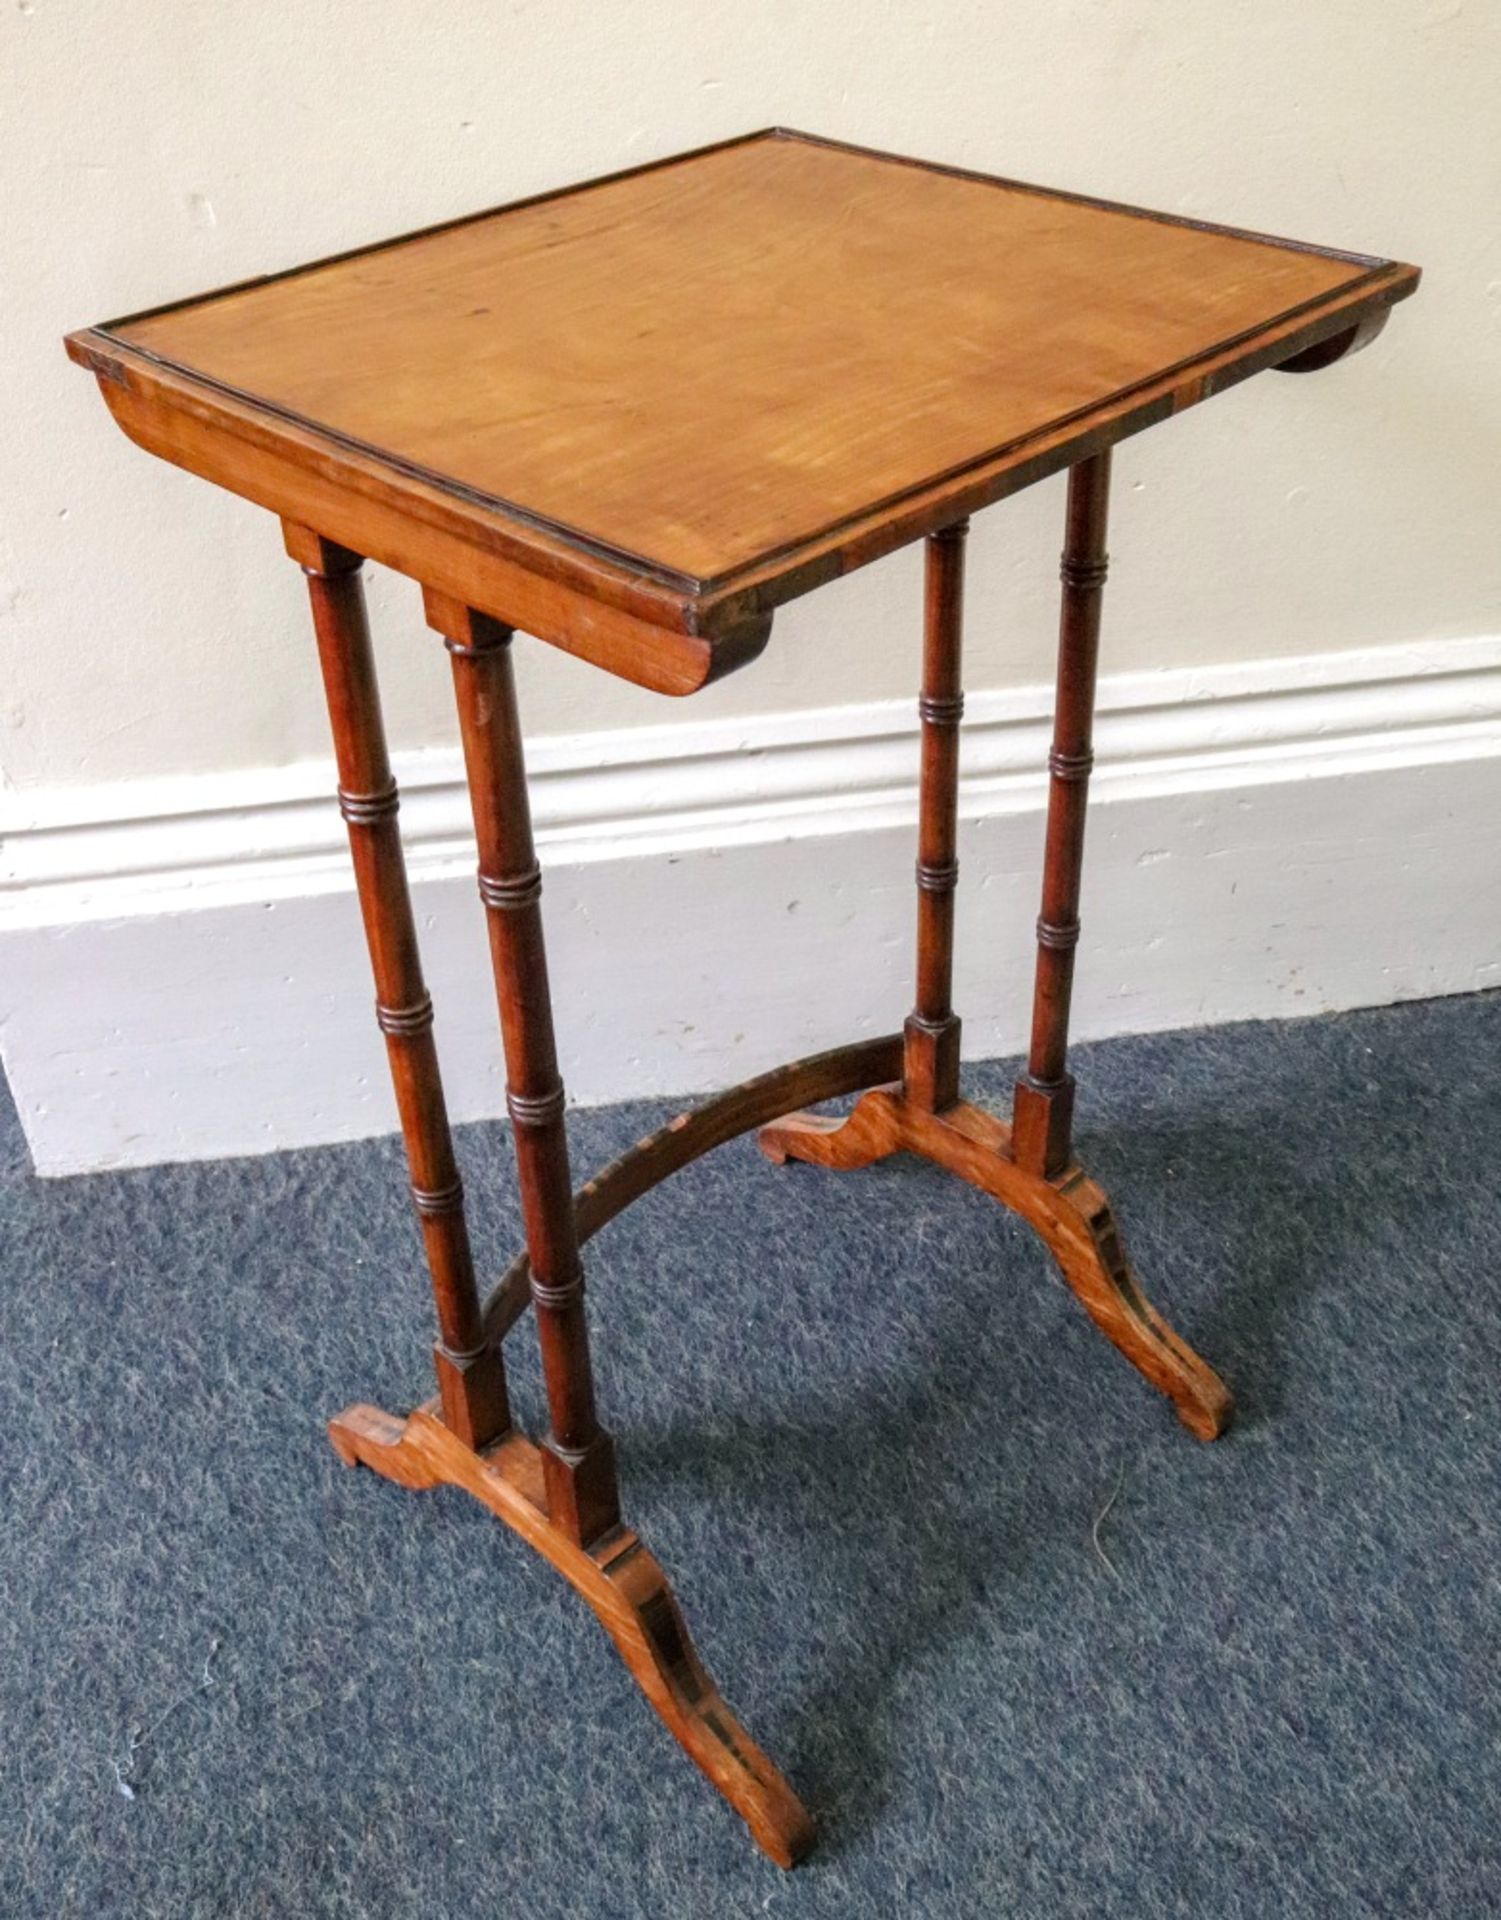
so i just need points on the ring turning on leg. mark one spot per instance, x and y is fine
(1044, 1109)
(1028, 1167)
(471, 1372)
(560, 1496)
(577, 1457)
(930, 1071)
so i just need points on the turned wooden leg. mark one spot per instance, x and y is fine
(1027, 1167)
(561, 1497)
(1043, 1122)
(578, 1458)
(930, 1065)
(930, 1036)
(471, 1373)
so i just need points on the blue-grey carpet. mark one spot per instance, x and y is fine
(1025, 1647)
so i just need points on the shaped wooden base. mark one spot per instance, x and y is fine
(1069, 1212)
(615, 1573)
(623, 1583)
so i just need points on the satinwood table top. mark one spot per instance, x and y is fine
(694, 390)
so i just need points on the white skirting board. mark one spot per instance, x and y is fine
(182, 973)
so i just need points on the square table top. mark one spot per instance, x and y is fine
(703, 386)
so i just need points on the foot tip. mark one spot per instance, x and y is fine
(341, 1435)
(772, 1147)
(787, 1841)
(1209, 1418)
(352, 1432)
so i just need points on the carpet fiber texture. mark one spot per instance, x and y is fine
(1024, 1646)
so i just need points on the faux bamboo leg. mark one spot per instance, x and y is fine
(930, 1037)
(1043, 1120)
(560, 1497)
(578, 1459)
(471, 1373)
(930, 1071)
(1026, 1167)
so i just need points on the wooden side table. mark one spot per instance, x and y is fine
(633, 418)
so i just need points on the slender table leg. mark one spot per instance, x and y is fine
(577, 1454)
(930, 1072)
(1027, 1167)
(930, 1036)
(1043, 1117)
(560, 1497)
(471, 1372)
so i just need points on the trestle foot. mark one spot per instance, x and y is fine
(622, 1582)
(1068, 1211)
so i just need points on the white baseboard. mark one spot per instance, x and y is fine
(182, 967)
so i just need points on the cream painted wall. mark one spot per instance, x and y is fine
(150, 626)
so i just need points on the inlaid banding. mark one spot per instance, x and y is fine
(555, 1299)
(404, 1021)
(462, 1357)
(940, 876)
(1071, 766)
(433, 1201)
(940, 710)
(495, 637)
(509, 891)
(1060, 936)
(365, 809)
(1083, 574)
(536, 1109)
